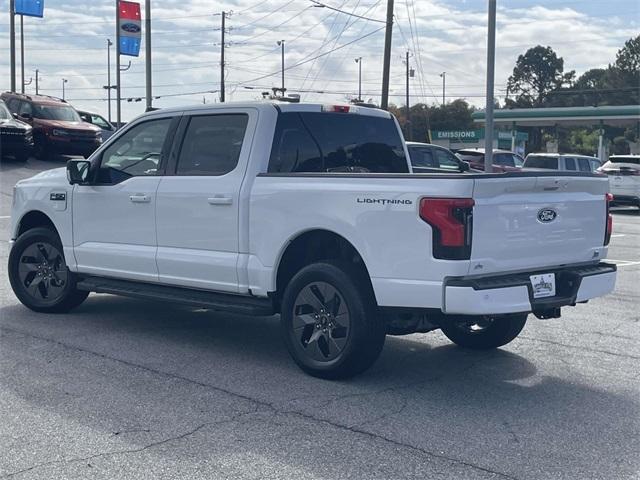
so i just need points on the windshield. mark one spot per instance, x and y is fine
(64, 113)
(541, 161)
(4, 112)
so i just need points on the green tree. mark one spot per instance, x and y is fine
(537, 73)
(624, 74)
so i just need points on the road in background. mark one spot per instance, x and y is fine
(122, 388)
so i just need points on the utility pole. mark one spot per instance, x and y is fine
(359, 62)
(109, 43)
(12, 43)
(222, 99)
(22, 53)
(118, 92)
(281, 43)
(491, 63)
(147, 53)
(444, 83)
(408, 108)
(64, 80)
(37, 81)
(386, 67)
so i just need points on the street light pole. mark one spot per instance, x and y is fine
(109, 43)
(281, 43)
(64, 80)
(22, 53)
(491, 63)
(12, 43)
(359, 62)
(37, 81)
(407, 101)
(118, 93)
(147, 53)
(222, 92)
(444, 83)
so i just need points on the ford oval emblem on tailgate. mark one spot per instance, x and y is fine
(547, 215)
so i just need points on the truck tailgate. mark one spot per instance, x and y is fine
(531, 222)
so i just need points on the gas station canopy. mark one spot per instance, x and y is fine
(616, 116)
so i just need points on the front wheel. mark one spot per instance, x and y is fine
(39, 275)
(483, 332)
(330, 321)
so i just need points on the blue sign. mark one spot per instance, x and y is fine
(30, 8)
(129, 46)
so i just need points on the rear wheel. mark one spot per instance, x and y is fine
(39, 275)
(483, 332)
(330, 322)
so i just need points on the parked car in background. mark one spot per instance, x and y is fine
(503, 160)
(566, 162)
(429, 158)
(624, 179)
(57, 127)
(16, 137)
(106, 128)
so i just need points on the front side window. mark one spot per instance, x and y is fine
(99, 121)
(583, 165)
(137, 152)
(212, 144)
(446, 160)
(336, 142)
(518, 161)
(422, 157)
(25, 109)
(541, 161)
(4, 112)
(505, 160)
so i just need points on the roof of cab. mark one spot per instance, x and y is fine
(268, 104)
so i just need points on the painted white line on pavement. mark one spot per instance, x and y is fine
(623, 263)
(618, 235)
(3, 217)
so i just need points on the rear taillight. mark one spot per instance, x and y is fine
(336, 108)
(609, 229)
(451, 220)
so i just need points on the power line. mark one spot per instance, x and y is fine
(323, 5)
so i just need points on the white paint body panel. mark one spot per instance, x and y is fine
(180, 238)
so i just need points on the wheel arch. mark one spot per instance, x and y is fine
(34, 219)
(311, 246)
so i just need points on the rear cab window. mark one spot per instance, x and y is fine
(308, 142)
(541, 161)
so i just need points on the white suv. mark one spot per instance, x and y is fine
(564, 162)
(624, 179)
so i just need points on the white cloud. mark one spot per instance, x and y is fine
(71, 42)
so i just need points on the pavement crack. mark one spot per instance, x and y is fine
(584, 348)
(257, 402)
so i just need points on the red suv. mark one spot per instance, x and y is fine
(57, 127)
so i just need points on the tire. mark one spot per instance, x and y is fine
(483, 333)
(39, 275)
(40, 152)
(330, 321)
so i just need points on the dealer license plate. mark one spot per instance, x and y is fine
(543, 285)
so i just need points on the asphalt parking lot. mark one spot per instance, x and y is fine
(122, 388)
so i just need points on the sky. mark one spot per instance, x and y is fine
(320, 47)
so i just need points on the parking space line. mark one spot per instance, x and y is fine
(618, 235)
(624, 263)
(3, 217)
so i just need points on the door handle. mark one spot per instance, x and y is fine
(220, 200)
(140, 198)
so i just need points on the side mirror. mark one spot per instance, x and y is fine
(464, 166)
(78, 171)
(15, 115)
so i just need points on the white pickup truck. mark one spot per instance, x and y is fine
(312, 212)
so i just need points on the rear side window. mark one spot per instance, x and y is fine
(570, 163)
(212, 144)
(336, 142)
(446, 160)
(506, 160)
(541, 161)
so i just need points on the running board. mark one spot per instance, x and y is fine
(242, 304)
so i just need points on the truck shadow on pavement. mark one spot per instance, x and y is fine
(155, 370)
